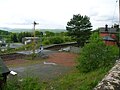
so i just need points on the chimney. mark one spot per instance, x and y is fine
(106, 27)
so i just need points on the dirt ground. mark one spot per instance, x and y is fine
(64, 63)
(61, 58)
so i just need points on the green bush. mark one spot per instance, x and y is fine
(96, 54)
(46, 42)
(67, 39)
(78, 81)
(56, 40)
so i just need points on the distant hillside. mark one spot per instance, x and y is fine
(3, 32)
(31, 30)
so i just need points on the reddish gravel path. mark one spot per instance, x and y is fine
(66, 59)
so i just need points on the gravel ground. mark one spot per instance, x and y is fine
(64, 62)
(44, 72)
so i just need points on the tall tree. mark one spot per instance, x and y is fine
(20, 36)
(14, 37)
(79, 28)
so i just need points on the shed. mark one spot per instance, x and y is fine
(30, 38)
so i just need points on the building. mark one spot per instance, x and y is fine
(108, 35)
(4, 71)
(27, 40)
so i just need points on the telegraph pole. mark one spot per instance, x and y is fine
(34, 24)
(119, 31)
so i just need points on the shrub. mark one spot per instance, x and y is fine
(56, 40)
(67, 39)
(96, 54)
(46, 42)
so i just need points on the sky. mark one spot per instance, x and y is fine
(54, 14)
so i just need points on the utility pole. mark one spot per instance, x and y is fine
(119, 31)
(34, 24)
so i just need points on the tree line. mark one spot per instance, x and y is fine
(78, 29)
(47, 37)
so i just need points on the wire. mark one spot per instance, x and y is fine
(114, 11)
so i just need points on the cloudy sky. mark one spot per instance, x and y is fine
(56, 13)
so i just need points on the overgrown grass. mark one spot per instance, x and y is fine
(71, 81)
(29, 83)
(78, 81)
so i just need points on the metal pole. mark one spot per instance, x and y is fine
(119, 31)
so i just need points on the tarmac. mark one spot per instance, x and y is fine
(41, 70)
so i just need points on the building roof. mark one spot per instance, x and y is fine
(3, 67)
(31, 37)
(110, 30)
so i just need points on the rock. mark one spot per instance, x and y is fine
(112, 80)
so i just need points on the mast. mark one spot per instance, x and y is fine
(34, 23)
(119, 31)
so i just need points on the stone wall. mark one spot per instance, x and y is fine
(112, 80)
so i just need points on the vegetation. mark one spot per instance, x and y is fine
(74, 80)
(78, 81)
(29, 83)
(45, 38)
(47, 35)
(56, 40)
(18, 30)
(4, 35)
(96, 55)
(93, 63)
(22, 35)
(14, 37)
(2, 32)
(117, 34)
(17, 37)
(79, 28)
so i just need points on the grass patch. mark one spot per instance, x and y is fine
(78, 81)
(27, 60)
(28, 83)
(73, 80)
